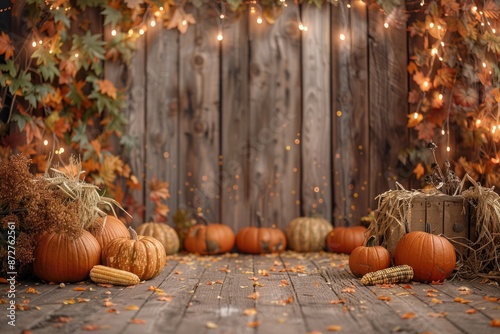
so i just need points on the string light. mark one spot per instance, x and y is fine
(259, 20)
(33, 44)
(153, 23)
(113, 32)
(386, 25)
(342, 37)
(415, 115)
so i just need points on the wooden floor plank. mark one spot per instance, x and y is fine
(290, 293)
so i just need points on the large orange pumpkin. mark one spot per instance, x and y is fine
(432, 257)
(209, 239)
(260, 240)
(108, 228)
(369, 258)
(60, 258)
(141, 255)
(164, 233)
(344, 239)
(307, 234)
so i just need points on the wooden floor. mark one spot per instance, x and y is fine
(290, 293)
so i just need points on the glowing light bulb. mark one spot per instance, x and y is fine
(161, 8)
(40, 42)
(443, 132)
(45, 142)
(61, 150)
(440, 96)
(153, 23)
(434, 51)
(494, 129)
(130, 32)
(431, 25)
(259, 20)
(484, 64)
(77, 55)
(348, 5)
(113, 32)
(33, 44)
(426, 83)
(386, 25)
(493, 30)
(184, 22)
(141, 31)
(252, 10)
(415, 115)
(219, 37)
(478, 122)
(474, 9)
(342, 37)
(222, 16)
(442, 43)
(448, 149)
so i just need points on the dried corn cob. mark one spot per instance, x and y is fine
(109, 275)
(398, 274)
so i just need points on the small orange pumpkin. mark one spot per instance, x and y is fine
(60, 258)
(141, 255)
(260, 240)
(369, 258)
(344, 239)
(108, 228)
(209, 239)
(432, 257)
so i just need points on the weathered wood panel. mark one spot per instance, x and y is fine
(200, 127)
(274, 107)
(388, 104)
(316, 166)
(234, 129)
(350, 106)
(163, 117)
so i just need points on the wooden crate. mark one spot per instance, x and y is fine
(451, 216)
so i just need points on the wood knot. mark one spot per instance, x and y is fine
(199, 127)
(198, 61)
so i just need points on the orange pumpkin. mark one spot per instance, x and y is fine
(107, 229)
(209, 239)
(432, 257)
(141, 255)
(369, 258)
(60, 258)
(260, 240)
(345, 239)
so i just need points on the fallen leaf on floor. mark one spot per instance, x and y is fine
(253, 295)
(79, 288)
(463, 290)
(471, 311)
(82, 300)
(436, 301)
(437, 314)
(253, 324)
(105, 285)
(32, 290)
(211, 325)
(284, 283)
(337, 301)
(165, 298)
(69, 301)
(131, 307)
(334, 328)
(491, 299)
(349, 290)
(91, 327)
(461, 300)
(64, 319)
(495, 323)
(385, 298)
(250, 311)
(138, 321)
(408, 315)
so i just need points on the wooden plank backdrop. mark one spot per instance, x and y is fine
(271, 120)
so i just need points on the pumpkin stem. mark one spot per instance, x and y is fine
(201, 218)
(133, 233)
(260, 219)
(371, 241)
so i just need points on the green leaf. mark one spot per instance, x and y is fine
(234, 4)
(22, 83)
(9, 67)
(129, 142)
(21, 120)
(112, 16)
(60, 16)
(80, 135)
(90, 48)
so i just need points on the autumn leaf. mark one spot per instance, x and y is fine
(250, 311)
(349, 290)
(254, 295)
(6, 48)
(470, 311)
(138, 321)
(408, 315)
(181, 20)
(165, 298)
(158, 190)
(414, 121)
(32, 290)
(132, 308)
(461, 300)
(466, 96)
(422, 81)
(334, 328)
(495, 323)
(79, 288)
(211, 325)
(385, 298)
(337, 301)
(106, 87)
(63, 319)
(425, 131)
(91, 327)
(419, 171)
(437, 314)
(253, 324)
